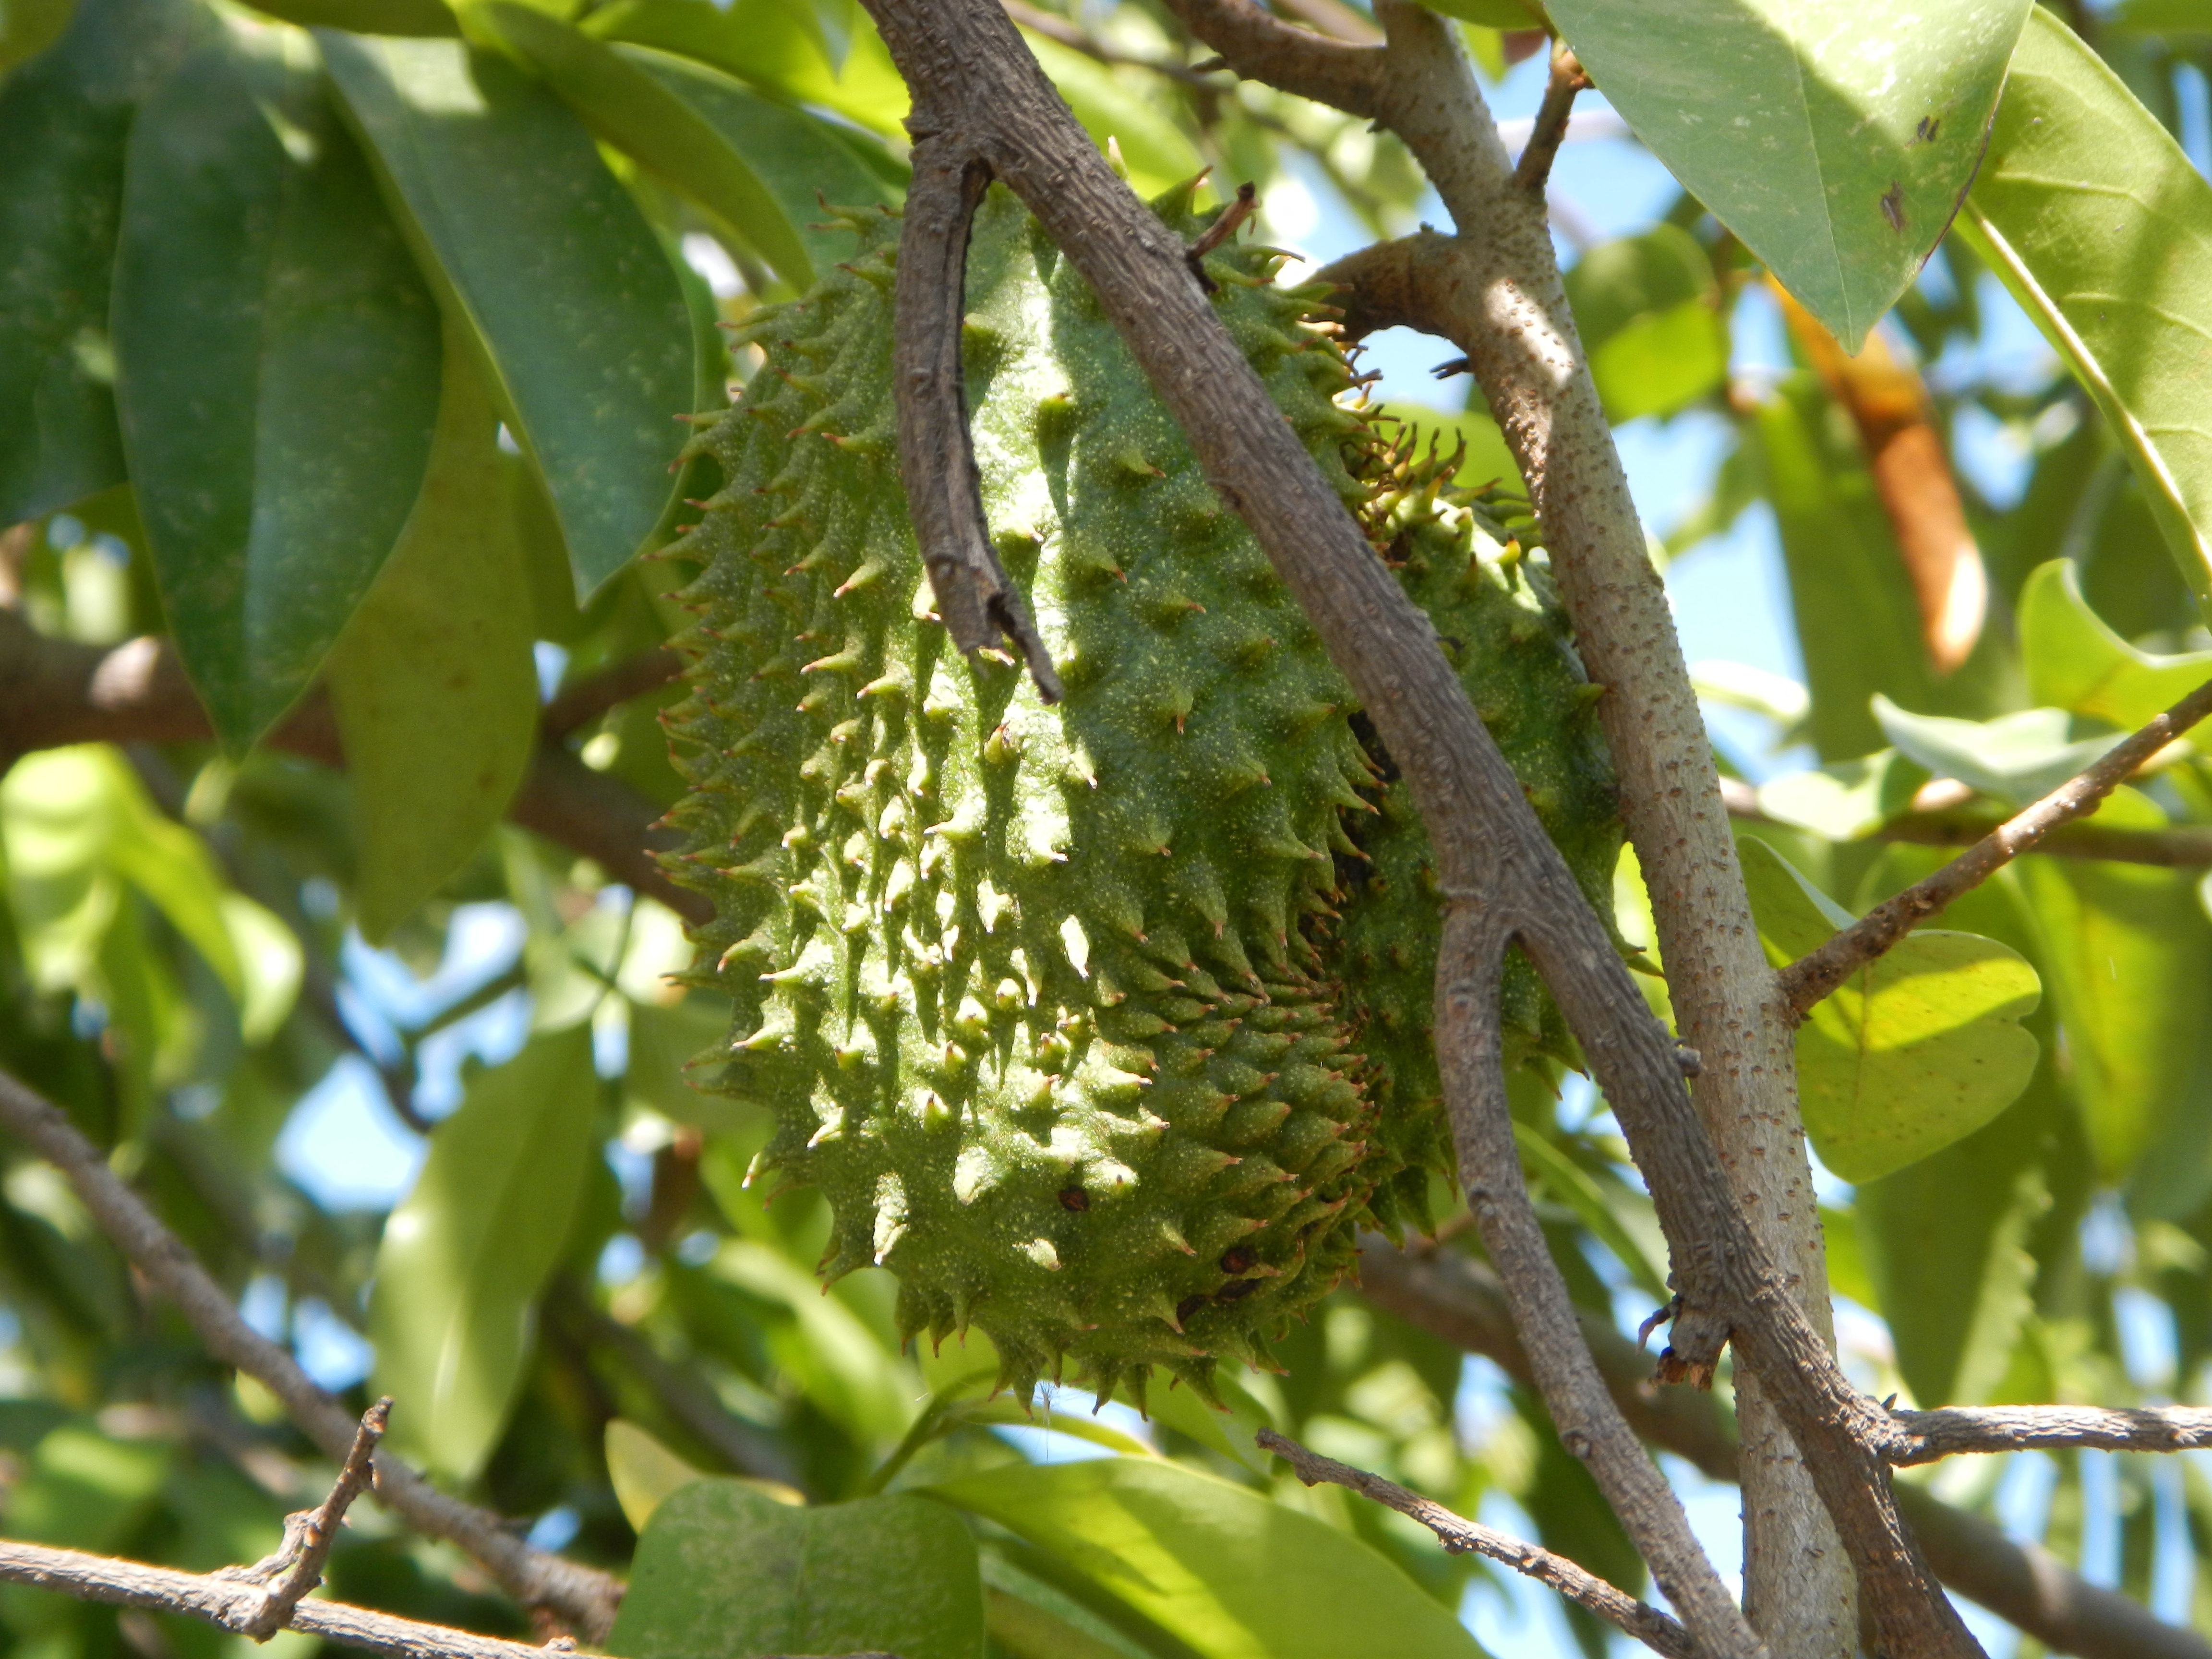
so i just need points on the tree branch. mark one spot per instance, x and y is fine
(1535, 167)
(1814, 975)
(1954, 1428)
(297, 1566)
(235, 1605)
(1461, 1302)
(1262, 47)
(579, 705)
(54, 692)
(1616, 1606)
(582, 1596)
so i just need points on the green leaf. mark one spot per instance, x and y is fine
(824, 1346)
(802, 160)
(724, 1571)
(27, 27)
(2021, 757)
(2129, 951)
(644, 1473)
(465, 1254)
(427, 18)
(1574, 1188)
(1835, 144)
(1158, 156)
(775, 45)
(562, 284)
(1648, 310)
(277, 375)
(2074, 661)
(2169, 17)
(1845, 799)
(1919, 1047)
(641, 114)
(434, 681)
(65, 123)
(1234, 1574)
(1031, 1619)
(1842, 561)
(2099, 226)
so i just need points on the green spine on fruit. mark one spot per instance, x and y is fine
(1058, 1004)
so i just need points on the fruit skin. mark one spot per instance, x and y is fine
(1047, 999)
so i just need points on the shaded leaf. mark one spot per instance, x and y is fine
(453, 1307)
(1835, 144)
(1158, 155)
(1919, 1047)
(2129, 951)
(724, 1571)
(2099, 225)
(27, 27)
(64, 123)
(562, 284)
(777, 45)
(2075, 662)
(277, 365)
(1233, 1574)
(1574, 1188)
(641, 114)
(433, 683)
(1033, 1620)
(430, 17)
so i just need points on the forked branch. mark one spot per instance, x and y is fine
(580, 1595)
(1654, 1628)
(1814, 977)
(1956, 1429)
(297, 1566)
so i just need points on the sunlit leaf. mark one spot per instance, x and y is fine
(560, 279)
(454, 1308)
(1648, 310)
(276, 362)
(2074, 661)
(777, 45)
(435, 686)
(2021, 757)
(1231, 1573)
(1836, 142)
(64, 121)
(1844, 800)
(724, 1571)
(2101, 227)
(1921, 1047)
(643, 115)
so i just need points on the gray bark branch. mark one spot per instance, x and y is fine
(1649, 1625)
(580, 1595)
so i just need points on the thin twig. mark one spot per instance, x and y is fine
(235, 1606)
(297, 1566)
(1232, 215)
(1954, 1430)
(1461, 1301)
(1535, 168)
(584, 1596)
(1814, 975)
(1615, 1606)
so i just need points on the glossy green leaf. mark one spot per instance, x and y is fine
(2102, 229)
(1233, 1574)
(564, 286)
(1648, 310)
(2129, 951)
(2021, 757)
(1946, 1241)
(434, 681)
(276, 362)
(776, 44)
(641, 115)
(65, 123)
(454, 1308)
(1836, 142)
(2074, 661)
(801, 160)
(1918, 1049)
(724, 1571)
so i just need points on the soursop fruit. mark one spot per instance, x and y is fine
(1075, 1012)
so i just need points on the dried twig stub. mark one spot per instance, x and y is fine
(297, 1566)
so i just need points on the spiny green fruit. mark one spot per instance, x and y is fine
(1046, 998)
